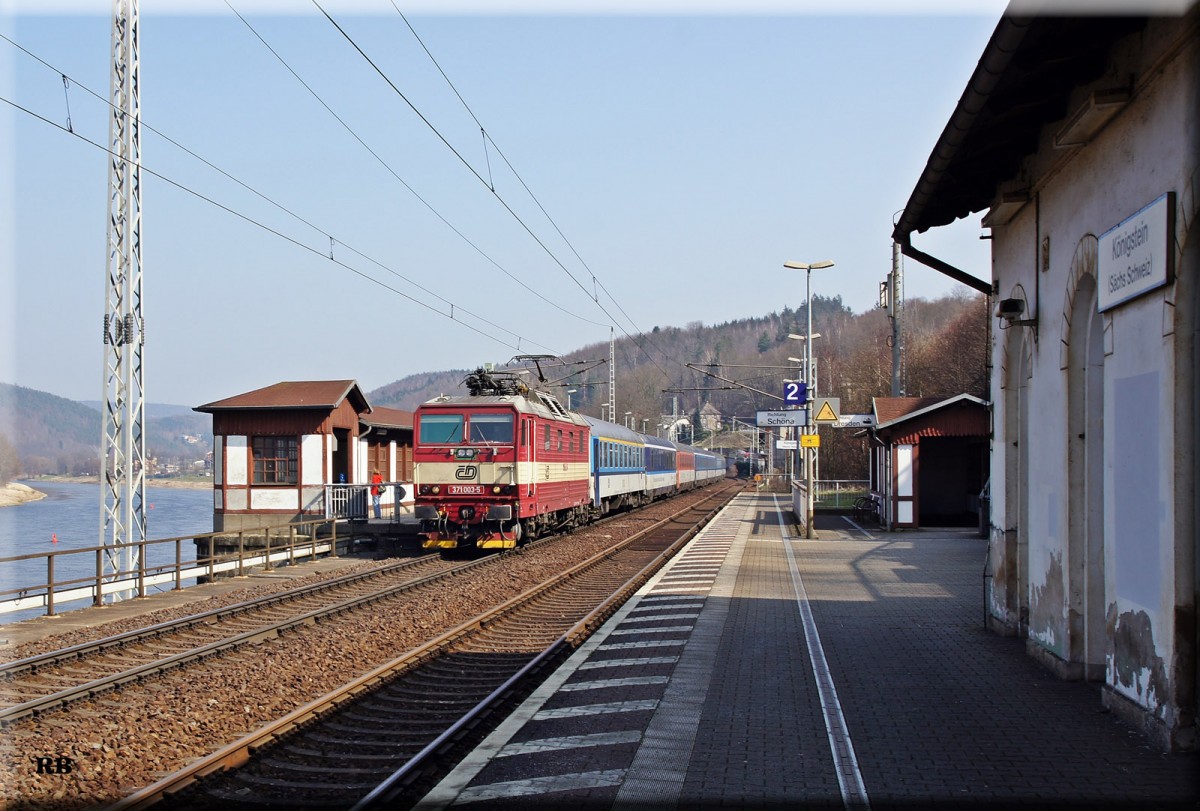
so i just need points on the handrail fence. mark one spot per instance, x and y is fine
(280, 544)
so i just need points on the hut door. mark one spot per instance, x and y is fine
(904, 492)
(340, 470)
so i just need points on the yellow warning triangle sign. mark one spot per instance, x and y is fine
(825, 414)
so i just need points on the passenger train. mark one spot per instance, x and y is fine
(507, 463)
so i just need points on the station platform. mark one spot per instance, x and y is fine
(763, 670)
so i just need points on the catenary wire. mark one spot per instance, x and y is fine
(396, 175)
(246, 218)
(489, 139)
(467, 164)
(273, 202)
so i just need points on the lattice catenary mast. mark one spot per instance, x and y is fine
(122, 448)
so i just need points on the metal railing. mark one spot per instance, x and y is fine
(354, 502)
(839, 493)
(279, 544)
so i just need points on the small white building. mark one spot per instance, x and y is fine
(1080, 136)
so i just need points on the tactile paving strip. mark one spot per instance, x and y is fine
(617, 721)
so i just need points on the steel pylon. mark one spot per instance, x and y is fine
(122, 450)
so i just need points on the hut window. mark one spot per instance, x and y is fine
(274, 459)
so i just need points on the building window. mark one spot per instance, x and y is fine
(274, 459)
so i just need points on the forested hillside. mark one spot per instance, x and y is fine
(41, 433)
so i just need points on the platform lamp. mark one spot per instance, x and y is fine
(569, 393)
(808, 268)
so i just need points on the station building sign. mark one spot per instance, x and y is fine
(782, 419)
(1135, 255)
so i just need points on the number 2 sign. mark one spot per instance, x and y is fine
(795, 393)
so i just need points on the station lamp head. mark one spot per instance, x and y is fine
(824, 263)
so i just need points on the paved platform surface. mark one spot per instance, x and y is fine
(762, 670)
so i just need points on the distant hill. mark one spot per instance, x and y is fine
(54, 435)
(409, 392)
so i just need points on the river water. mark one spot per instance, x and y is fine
(70, 513)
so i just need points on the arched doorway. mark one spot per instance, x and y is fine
(1018, 371)
(1086, 595)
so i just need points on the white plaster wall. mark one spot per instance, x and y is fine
(312, 454)
(314, 499)
(276, 498)
(1144, 153)
(236, 500)
(236, 460)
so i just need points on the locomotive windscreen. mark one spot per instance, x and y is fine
(441, 429)
(492, 428)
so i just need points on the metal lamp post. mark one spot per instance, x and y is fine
(569, 393)
(808, 268)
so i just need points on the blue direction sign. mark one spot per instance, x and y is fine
(795, 393)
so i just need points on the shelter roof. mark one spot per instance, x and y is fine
(299, 394)
(891, 411)
(388, 418)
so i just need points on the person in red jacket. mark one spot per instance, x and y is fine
(376, 491)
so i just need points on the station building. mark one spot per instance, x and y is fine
(1079, 136)
(281, 453)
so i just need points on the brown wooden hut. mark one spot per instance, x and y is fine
(929, 460)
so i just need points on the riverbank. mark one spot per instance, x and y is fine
(15, 493)
(12, 494)
(186, 484)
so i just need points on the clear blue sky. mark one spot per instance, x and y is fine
(684, 157)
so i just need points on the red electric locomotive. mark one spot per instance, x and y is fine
(499, 465)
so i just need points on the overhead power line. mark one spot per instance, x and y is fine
(275, 232)
(488, 139)
(326, 234)
(396, 175)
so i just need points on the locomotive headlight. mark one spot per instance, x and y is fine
(435, 489)
(497, 489)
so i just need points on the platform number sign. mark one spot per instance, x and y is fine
(795, 393)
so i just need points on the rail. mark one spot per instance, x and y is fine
(280, 544)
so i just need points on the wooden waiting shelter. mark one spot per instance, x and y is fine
(929, 460)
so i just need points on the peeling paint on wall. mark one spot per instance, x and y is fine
(999, 591)
(1135, 668)
(1047, 602)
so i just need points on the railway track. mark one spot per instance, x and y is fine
(396, 728)
(53, 679)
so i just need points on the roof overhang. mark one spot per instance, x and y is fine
(318, 395)
(962, 399)
(1023, 83)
